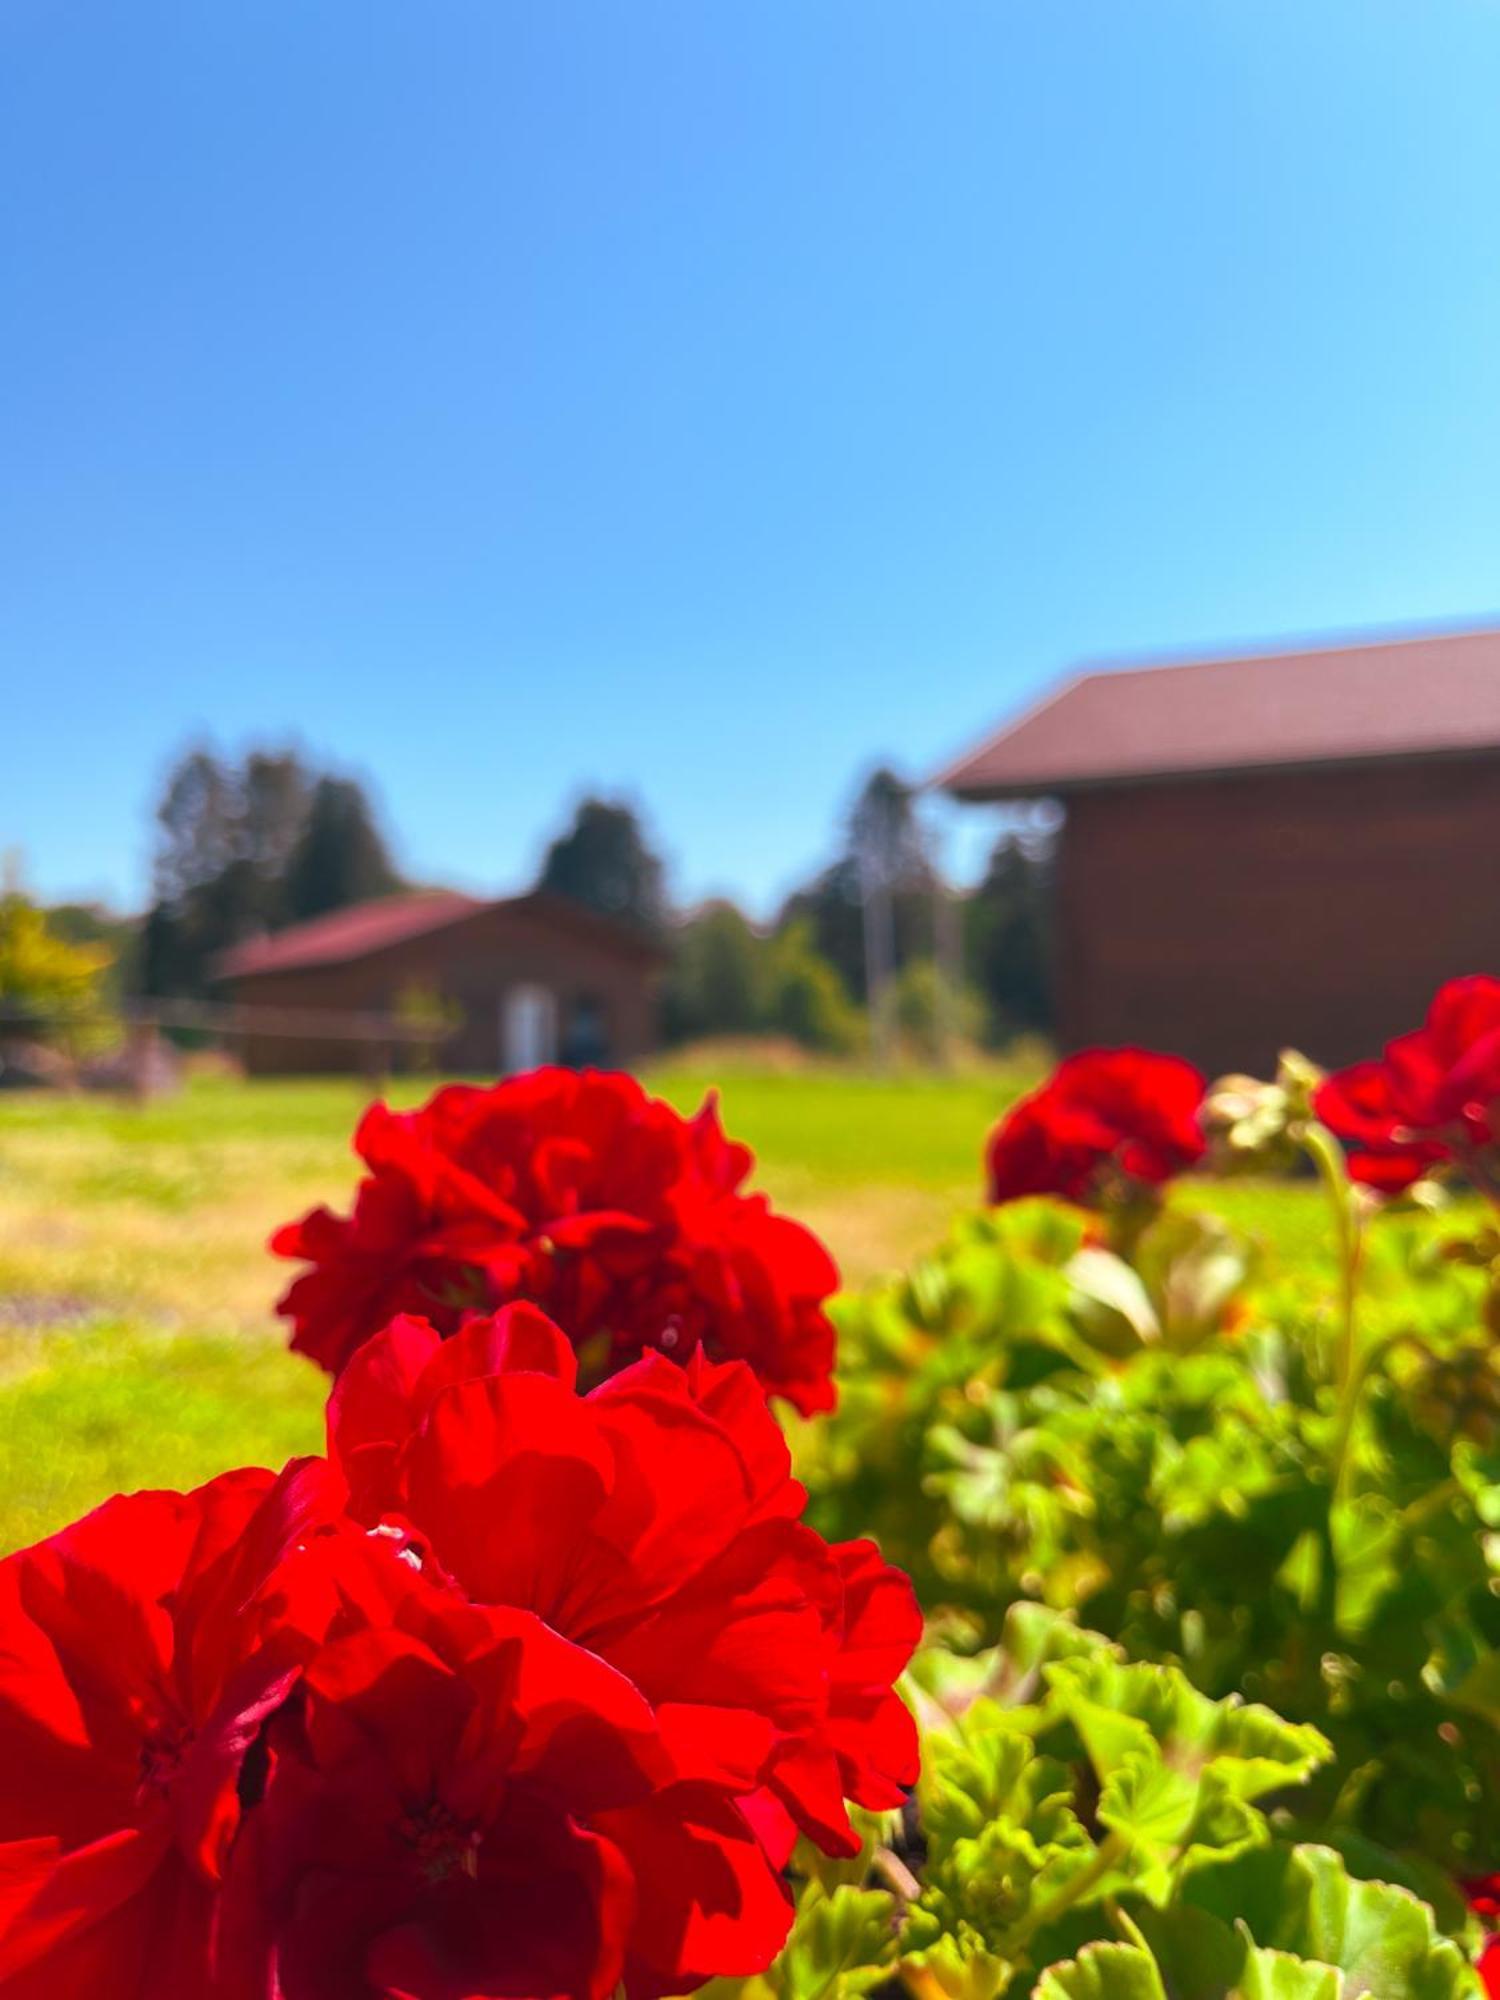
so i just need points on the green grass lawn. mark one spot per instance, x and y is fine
(138, 1344)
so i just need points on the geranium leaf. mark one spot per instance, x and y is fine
(1104, 1972)
(842, 1944)
(1302, 1900)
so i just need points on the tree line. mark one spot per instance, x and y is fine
(880, 905)
(863, 942)
(254, 843)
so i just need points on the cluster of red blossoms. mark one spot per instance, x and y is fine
(578, 1192)
(1433, 1098)
(1106, 1128)
(519, 1691)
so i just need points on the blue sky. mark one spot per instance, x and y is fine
(701, 400)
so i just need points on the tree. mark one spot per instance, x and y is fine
(808, 1000)
(50, 989)
(1008, 935)
(717, 982)
(94, 924)
(927, 1012)
(883, 858)
(251, 846)
(603, 861)
(339, 857)
(224, 833)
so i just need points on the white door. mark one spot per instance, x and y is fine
(528, 1028)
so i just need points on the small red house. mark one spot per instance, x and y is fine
(1287, 850)
(527, 980)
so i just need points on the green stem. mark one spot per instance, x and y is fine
(1324, 1151)
(1072, 1891)
(1423, 1509)
(1349, 1372)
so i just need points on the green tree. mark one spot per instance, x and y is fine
(808, 1001)
(225, 834)
(926, 1016)
(604, 861)
(251, 846)
(1008, 931)
(883, 858)
(717, 984)
(50, 990)
(339, 857)
(94, 924)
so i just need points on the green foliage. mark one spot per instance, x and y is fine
(430, 1016)
(883, 856)
(842, 1944)
(927, 1016)
(717, 981)
(51, 990)
(1008, 924)
(248, 845)
(1221, 1473)
(605, 862)
(1279, 1923)
(1108, 1781)
(1090, 1828)
(806, 998)
(727, 979)
(339, 857)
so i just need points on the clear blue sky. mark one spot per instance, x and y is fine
(705, 399)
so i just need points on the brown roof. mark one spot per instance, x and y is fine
(1432, 696)
(364, 929)
(343, 935)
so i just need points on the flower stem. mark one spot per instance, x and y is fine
(1108, 1855)
(1323, 1150)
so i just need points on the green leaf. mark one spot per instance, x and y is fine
(842, 1944)
(1303, 1900)
(1120, 1709)
(959, 1968)
(1112, 1305)
(1192, 1265)
(1338, 1940)
(1150, 1805)
(1103, 1972)
(1275, 1975)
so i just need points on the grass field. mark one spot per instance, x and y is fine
(138, 1344)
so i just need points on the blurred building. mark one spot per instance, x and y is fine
(1294, 849)
(476, 986)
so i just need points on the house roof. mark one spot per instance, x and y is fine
(348, 934)
(364, 929)
(1436, 695)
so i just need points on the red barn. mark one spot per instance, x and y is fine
(1295, 849)
(527, 980)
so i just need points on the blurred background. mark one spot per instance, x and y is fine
(627, 452)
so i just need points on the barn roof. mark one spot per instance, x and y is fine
(345, 936)
(1436, 695)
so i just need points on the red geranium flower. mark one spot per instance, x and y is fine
(656, 1523)
(140, 1651)
(459, 1802)
(577, 1191)
(525, 1694)
(1433, 1097)
(1106, 1126)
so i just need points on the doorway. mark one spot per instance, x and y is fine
(528, 1028)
